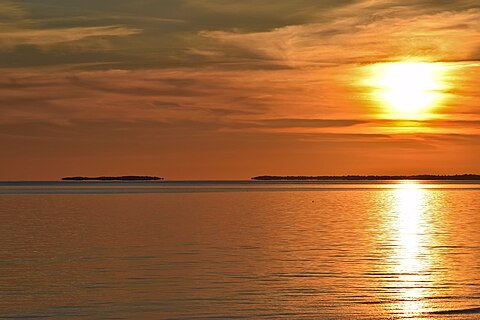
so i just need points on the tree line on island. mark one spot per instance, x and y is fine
(371, 177)
(296, 178)
(108, 178)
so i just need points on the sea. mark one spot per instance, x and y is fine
(240, 250)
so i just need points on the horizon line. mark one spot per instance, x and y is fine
(276, 177)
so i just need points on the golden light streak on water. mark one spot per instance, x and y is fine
(411, 257)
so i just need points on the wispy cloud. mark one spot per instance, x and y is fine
(364, 32)
(45, 38)
(10, 11)
(252, 34)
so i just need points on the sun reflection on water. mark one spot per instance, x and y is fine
(410, 259)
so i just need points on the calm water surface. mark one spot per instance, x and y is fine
(240, 250)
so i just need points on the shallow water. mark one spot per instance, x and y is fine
(221, 250)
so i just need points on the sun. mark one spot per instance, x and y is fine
(407, 89)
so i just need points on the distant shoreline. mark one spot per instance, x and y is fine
(108, 178)
(371, 177)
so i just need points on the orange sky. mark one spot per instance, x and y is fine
(211, 89)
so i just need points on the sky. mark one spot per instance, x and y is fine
(224, 89)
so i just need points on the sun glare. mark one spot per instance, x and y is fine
(409, 90)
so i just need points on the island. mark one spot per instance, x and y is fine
(107, 178)
(371, 177)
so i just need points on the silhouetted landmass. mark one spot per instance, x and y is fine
(121, 178)
(356, 178)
